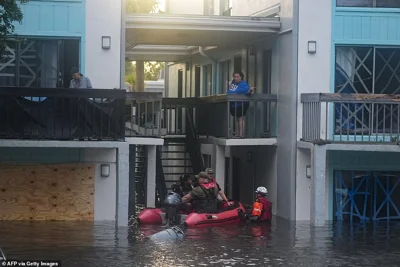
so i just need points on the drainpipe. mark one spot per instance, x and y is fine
(214, 68)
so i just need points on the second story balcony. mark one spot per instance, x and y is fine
(356, 118)
(113, 115)
(61, 114)
(211, 116)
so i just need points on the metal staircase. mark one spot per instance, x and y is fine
(175, 160)
(178, 156)
(140, 175)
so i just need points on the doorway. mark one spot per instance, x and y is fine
(266, 89)
(236, 179)
(237, 63)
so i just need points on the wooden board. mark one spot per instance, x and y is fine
(47, 192)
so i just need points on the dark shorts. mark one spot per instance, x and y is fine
(239, 111)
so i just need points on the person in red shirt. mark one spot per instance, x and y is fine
(262, 208)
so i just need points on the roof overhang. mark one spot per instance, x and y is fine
(164, 53)
(146, 33)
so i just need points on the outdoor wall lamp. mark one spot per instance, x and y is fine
(308, 171)
(106, 42)
(105, 170)
(312, 47)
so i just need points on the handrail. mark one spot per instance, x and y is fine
(349, 98)
(61, 92)
(192, 140)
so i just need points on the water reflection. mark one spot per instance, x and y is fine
(283, 243)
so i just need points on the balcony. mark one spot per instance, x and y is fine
(61, 114)
(211, 116)
(357, 118)
(102, 114)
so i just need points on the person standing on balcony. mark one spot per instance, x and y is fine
(79, 81)
(238, 109)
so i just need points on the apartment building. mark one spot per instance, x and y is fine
(321, 129)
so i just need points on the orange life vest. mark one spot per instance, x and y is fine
(257, 209)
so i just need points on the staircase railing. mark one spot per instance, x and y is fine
(161, 187)
(193, 144)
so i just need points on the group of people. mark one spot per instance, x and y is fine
(199, 193)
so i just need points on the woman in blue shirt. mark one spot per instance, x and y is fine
(238, 109)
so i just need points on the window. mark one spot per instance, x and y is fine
(225, 76)
(368, 3)
(207, 87)
(226, 8)
(38, 62)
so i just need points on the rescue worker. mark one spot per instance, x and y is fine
(262, 209)
(173, 204)
(210, 173)
(205, 195)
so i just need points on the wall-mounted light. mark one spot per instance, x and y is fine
(106, 42)
(312, 47)
(308, 171)
(105, 170)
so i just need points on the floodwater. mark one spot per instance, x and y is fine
(281, 244)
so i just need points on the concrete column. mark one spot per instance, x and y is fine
(151, 154)
(122, 215)
(219, 159)
(318, 178)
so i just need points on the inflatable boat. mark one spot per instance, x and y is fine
(228, 215)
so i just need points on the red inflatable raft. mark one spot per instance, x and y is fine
(228, 216)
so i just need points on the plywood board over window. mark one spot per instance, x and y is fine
(47, 192)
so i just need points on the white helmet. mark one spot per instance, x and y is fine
(262, 190)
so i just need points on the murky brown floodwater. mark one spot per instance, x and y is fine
(282, 244)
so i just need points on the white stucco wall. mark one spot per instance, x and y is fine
(249, 7)
(105, 192)
(314, 78)
(103, 18)
(314, 69)
(303, 185)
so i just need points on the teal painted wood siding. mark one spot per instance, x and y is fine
(41, 155)
(366, 26)
(368, 161)
(53, 19)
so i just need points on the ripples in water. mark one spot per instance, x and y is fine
(282, 244)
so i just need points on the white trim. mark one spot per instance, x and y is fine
(145, 141)
(239, 142)
(203, 23)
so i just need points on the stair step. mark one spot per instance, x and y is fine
(176, 158)
(165, 151)
(173, 173)
(174, 144)
(177, 166)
